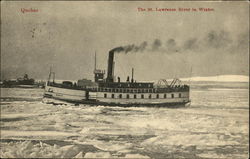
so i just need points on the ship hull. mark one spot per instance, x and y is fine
(55, 95)
(59, 101)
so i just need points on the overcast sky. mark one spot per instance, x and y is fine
(65, 35)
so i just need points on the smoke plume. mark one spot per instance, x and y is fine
(211, 40)
(217, 39)
(131, 48)
(156, 45)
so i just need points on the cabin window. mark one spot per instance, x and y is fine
(149, 96)
(113, 96)
(128, 96)
(165, 96)
(179, 95)
(142, 96)
(172, 95)
(105, 95)
(120, 95)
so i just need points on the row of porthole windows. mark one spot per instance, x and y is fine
(142, 96)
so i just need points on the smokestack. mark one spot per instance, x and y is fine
(113, 73)
(110, 67)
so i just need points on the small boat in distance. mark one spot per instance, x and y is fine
(21, 82)
(108, 92)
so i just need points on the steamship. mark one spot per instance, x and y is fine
(110, 92)
(21, 82)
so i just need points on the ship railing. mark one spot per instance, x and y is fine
(123, 90)
(141, 90)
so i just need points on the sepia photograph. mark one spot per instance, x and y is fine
(124, 79)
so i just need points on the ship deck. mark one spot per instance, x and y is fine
(182, 88)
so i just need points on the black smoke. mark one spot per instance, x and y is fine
(131, 48)
(211, 40)
(190, 44)
(217, 39)
(156, 45)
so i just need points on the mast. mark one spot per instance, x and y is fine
(49, 73)
(132, 80)
(54, 74)
(95, 60)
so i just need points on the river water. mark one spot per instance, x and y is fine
(214, 126)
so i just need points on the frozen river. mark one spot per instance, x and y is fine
(214, 126)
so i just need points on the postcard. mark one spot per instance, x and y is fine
(124, 79)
